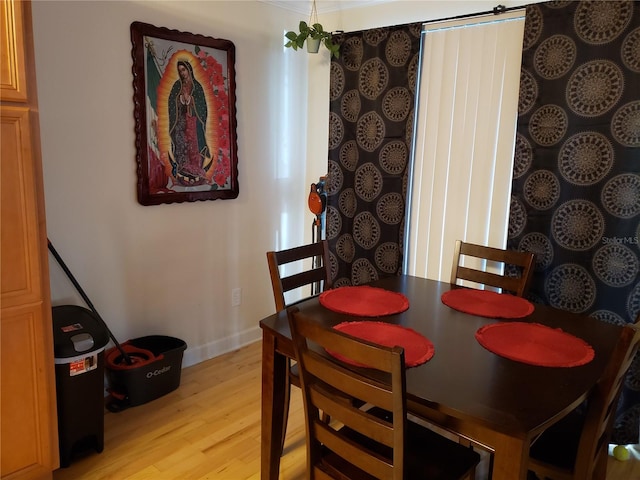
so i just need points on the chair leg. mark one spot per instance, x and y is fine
(600, 469)
(287, 401)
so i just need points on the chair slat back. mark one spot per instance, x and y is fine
(319, 272)
(517, 285)
(326, 382)
(602, 403)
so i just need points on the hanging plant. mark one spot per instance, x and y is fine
(308, 33)
(314, 34)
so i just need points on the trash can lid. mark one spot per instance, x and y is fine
(77, 330)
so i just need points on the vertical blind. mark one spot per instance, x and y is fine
(467, 107)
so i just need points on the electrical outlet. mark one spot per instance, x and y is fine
(236, 297)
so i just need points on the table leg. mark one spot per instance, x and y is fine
(274, 371)
(510, 458)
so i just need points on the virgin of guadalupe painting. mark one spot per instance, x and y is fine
(184, 108)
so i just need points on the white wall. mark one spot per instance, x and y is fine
(169, 269)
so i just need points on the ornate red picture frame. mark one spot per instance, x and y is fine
(185, 116)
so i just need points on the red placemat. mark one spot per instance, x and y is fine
(364, 301)
(486, 303)
(417, 348)
(535, 344)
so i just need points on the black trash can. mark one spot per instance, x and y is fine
(79, 340)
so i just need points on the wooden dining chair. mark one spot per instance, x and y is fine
(516, 285)
(364, 443)
(576, 448)
(314, 272)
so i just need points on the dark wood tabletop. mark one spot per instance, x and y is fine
(495, 401)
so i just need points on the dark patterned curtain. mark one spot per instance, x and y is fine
(576, 186)
(372, 90)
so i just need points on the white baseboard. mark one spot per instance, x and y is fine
(198, 354)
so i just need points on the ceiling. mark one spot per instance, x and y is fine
(322, 6)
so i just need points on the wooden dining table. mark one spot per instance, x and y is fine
(499, 403)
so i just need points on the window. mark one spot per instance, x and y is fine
(467, 109)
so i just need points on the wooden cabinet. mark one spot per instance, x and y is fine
(29, 433)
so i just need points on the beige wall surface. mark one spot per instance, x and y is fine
(169, 269)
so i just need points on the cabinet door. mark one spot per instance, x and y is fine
(28, 426)
(13, 61)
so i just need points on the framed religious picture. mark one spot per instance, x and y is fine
(185, 116)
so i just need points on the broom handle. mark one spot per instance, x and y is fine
(87, 301)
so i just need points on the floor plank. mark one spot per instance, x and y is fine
(209, 428)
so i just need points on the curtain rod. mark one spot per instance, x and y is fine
(497, 10)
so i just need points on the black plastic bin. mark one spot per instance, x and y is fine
(155, 372)
(79, 341)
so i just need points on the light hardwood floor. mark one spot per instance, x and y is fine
(209, 428)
